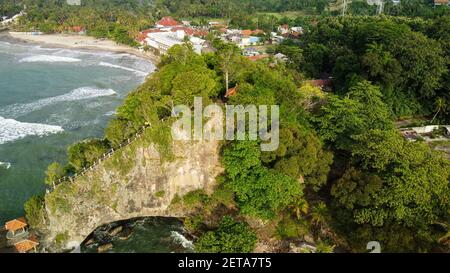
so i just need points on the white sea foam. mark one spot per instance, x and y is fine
(11, 130)
(5, 165)
(82, 93)
(138, 72)
(179, 238)
(49, 59)
(110, 113)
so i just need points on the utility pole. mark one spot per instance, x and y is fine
(344, 7)
(380, 7)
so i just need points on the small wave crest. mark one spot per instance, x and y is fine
(180, 239)
(49, 59)
(11, 130)
(5, 165)
(17, 110)
(138, 72)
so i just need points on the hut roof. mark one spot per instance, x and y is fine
(16, 224)
(26, 244)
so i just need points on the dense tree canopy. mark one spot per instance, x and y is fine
(409, 66)
(229, 237)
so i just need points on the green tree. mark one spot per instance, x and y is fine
(362, 109)
(229, 237)
(54, 172)
(34, 211)
(400, 182)
(260, 191)
(300, 155)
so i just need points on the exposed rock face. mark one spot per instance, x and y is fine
(135, 182)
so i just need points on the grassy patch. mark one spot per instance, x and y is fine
(61, 238)
(292, 228)
(160, 194)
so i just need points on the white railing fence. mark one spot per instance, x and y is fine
(108, 154)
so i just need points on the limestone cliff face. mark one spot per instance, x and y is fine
(134, 182)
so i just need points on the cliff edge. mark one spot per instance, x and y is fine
(136, 181)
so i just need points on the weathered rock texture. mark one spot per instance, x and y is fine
(134, 182)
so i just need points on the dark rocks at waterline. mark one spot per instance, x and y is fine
(125, 234)
(104, 248)
(143, 235)
(115, 231)
(89, 242)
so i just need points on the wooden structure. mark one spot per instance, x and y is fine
(231, 92)
(26, 245)
(16, 224)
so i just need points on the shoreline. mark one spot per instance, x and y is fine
(68, 41)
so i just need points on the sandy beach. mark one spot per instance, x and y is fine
(80, 42)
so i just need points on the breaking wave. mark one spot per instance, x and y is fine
(49, 59)
(179, 238)
(11, 130)
(5, 165)
(17, 110)
(138, 72)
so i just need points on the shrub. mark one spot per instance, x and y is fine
(34, 211)
(230, 237)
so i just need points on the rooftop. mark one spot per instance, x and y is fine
(26, 244)
(16, 224)
(168, 22)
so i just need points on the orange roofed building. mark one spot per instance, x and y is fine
(168, 22)
(26, 245)
(441, 2)
(16, 224)
(258, 57)
(246, 32)
(231, 92)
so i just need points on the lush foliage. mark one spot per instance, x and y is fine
(393, 53)
(229, 237)
(34, 211)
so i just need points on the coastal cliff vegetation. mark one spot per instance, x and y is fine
(342, 176)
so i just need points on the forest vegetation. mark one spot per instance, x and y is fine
(343, 174)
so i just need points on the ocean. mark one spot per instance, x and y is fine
(51, 98)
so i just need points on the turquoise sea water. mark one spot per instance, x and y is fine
(49, 99)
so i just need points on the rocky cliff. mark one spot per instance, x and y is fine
(135, 182)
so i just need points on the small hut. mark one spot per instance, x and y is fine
(26, 245)
(17, 224)
(231, 92)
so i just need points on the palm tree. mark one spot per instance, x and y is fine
(300, 207)
(228, 53)
(319, 214)
(323, 247)
(441, 106)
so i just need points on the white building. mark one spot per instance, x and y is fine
(12, 19)
(74, 2)
(297, 29)
(162, 41)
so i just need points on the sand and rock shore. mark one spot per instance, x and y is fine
(77, 42)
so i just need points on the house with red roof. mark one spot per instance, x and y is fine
(283, 29)
(144, 34)
(258, 57)
(231, 92)
(246, 32)
(168, 22)
(76, 29)
(441, 2)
